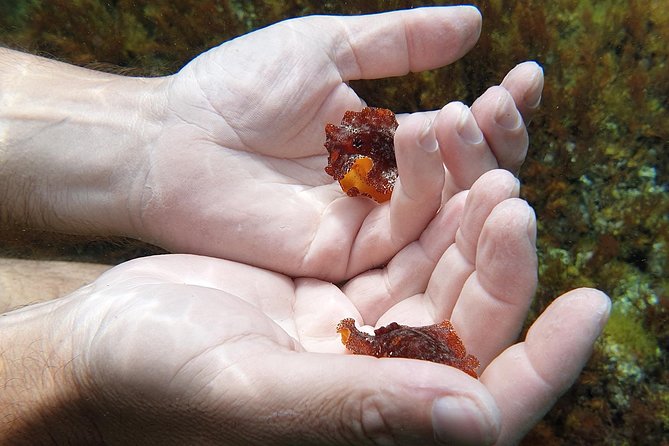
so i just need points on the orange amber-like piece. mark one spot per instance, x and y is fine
(436, 343)
(362, 153)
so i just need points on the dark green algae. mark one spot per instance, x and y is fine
(597, 171)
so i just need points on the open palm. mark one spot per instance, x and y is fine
(228, 353)
(238, 169)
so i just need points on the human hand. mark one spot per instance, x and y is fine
(183, 349)
(226, 157)
(241, 154)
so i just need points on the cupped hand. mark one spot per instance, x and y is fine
(238, 169)
(187, 349)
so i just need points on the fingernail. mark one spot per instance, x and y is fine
(427, 138)
(458, 420)
(506, 113)
(467, 127)
(603, 311)
(533, 95)
(531, 225)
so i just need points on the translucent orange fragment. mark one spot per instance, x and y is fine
(355, 182)
(362, 153)
(437, 343)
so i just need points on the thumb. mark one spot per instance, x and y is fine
(394, 43)
(347, 399)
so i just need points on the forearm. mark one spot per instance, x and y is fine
(23, 282)
(72, 144)
(39, 401)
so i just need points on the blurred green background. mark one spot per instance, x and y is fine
(597, 171)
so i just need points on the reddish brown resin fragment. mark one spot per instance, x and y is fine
(362, 153)
(436, 343)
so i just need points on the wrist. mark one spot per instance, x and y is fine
(73, 145)
(39, 402)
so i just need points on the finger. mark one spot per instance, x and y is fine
(503, 127)
(417, 194)
(464, 149)
(527, 378)
(314, 320)
(374, 292)
(415, 199)
(395, 43)
(459, 261)
(525, 83)
(344, 399)
(490, 134)
(493, 304)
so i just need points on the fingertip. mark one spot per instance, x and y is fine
(527, 378)
(527, 69)
(445, 119)
(464, 149)
(561, 340)
(397, 42)
(417, 194)
(471, 22)
(507, 116)
(471, 11)
(465, 124)
(491, 189)
(590, 303)
(532, 97)
(506, 254)
(513, 210)
(602, 301)
(518, 212)
(427, 139)
(416, 130)
(590, 300)
(531, 225)
(418, 161)
(525, 83)
(457, 419)
(455, 29)
(501, 121)
(499, 177)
